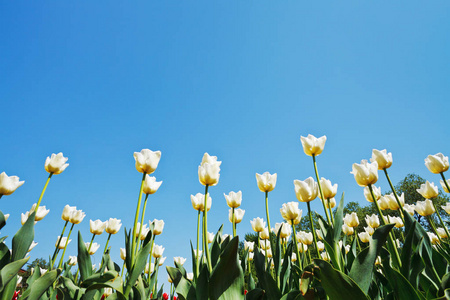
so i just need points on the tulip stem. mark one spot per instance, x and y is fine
(57, 245)
(142, 219)
(395, 195)
(205, 230)
(90, 244)
(43, 192)
(198, 240)
(268, 219)
(296, 245)
(445, 181)
(320, 190)
(309, 254)
(440, 219)
(357, 242)
(430, 221)
(133, 239)
(383, 221)
(106, 246)
(65, 247)
(331, 211)
(233, 222)
(312, 228)
(151, 251)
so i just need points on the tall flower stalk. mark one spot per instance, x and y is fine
(320, 190)
(136, 217)
(205, 231)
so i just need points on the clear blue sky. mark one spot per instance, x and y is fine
(241, 80)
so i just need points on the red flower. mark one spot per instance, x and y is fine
(245, 292)
(165, 296)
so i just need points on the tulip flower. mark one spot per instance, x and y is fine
(321, 246)
(364, 237)
(179, 260)
(77, 216)
(258, 224)
(351, 220)
(149, 268)
(425, 208)
(158, 251)
(312, 145)
(392, 202)
(383, 203)
(113, 225)
(147, 161)
(67, 211)
(158, 226)
(329, 190)
(306, 190)
(161, 261)
(437, 163)
(330, 203)
(234, 199)
(305, 237)
(41, 212)
(24, 217)
(169, 279)
(442, 233)
(428, 190)
(383, 158)
(264, 244)
(198, 252)
(33, 244)
(238, 215)
(409, 208)
(123, 253)
(369, 230)
(284, 229)
(290, 211)
(92, 247)
(373, 221)
(319, 234)
(198, 202)
(325, 256)
(208, 171)
(62, 243)
(210, 237)
(365, 173)
(376, 192)
(445, 184)
(266, 182)
(396, 220)
(347, 230)
(433, 238)
(145, 230)
(107, 292)
(56, 164)
(268, 253)
(97, 227)
(72, 260)
(446, 207)
(150, 185)
(264, 234)
(190, 276)
(9, 184)
(249, 246)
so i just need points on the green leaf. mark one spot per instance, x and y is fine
(185, 289)
(84, 259)
(255, 294)
(337, 285)
(9, 289)
(202, 288)
(215, 247)
(8, 272)
(266, 282)
(227, 278)
(99, 278)
(23, 238)
(139, 266)
(338, 220)
(407, 251)
(42, 284)
(5, 255)
(400, 286)
(362, 267)
(2, 220)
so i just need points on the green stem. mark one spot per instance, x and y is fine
(309, 255)
(331, 211)
(198, 240)
(445, 181)
(440, 219)
(43, 192)
(357, 242)
(65, 246)
(267, 215)
(233, 222)
(57, 244)
(205, 230)
(106, 246)
(396, 196)
(133, 239)
(391, 241)
(430, 221)
(151, 252)
(320, 189)
(296, 246)
(142, 219)
(312, 228)
(90, 244)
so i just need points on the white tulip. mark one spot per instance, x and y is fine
(97, 227)
(238, 215)
(264, 234)
(33, 244)
(64, 242)
(208, 171)
(77, 216)
(364, 237)
(383, 158)
(409, 208)
(446, 207)
(393, 202)
(425, 208)
(306, 190)
(158, 226)
(444, 187)
(258, 224)
(284, 229)
(351, 220)
(150, 185)
(437, 163)
(147, 161)
(56, 164)
(41, 212)
(179, 260)
(428, 190)
(234, 199)
(67, 211)
(433, 238)
(123, 253)
(442, 233)
(94, 247)
(328, 190)
(347, 230)
(266, 181)
(198, 202)
(290, 211)
(320, 246)
(113, 225)
(365, 173)
(8, 184)
(72, 260)
(330, 203)
(158, 251)
(373, 221)
(161, 261)
(210, 237)
(249, 246)
(376, 193)
(312, 145)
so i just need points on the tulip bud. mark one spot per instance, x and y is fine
(77, 216)
(376, 192)
(62, 243)
(383, 158)
(306, 190)
(210, 237)
(364, 237)
(147, 161)
(56, 164)
(329, 190)
(409, 208)
(442, 233)
(41, 212)
(428, 190)
(437, 163)
(320, 246)
(312, 145)
(266, 182)
(446, 207)
(67, 211)
(94, 247)
(258, 224)
(97, 227)
(113, 225)
(238, 215)
(9, 184)
(72, 260)
(425, 208)
(234, 199)
(249, 246)
(373, 221)
(264, 234)
(158, 251)
(347, 230)
(158, 226)
(179, 260)
(351, 220)
(149, 268)
(444, 187)
(150, 185)
(123, 253)
(365, 173)
(208, 171)
(290, 211)
(198, 202)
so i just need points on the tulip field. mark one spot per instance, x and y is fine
(395, 257)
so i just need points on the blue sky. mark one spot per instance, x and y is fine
(241, 80)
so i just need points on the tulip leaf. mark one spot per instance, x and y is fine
(400, 286)
(116, 296)
(266, 282)
(99, 278)
(84, 259)
(139, 266)
(38, 288)
(285, 273)
(201, 288)
(23, 238)
(8, 290)
(128, 242)
(215, 247)
(292, 295)
(445, 283)
(2, 220)
(337, 283)
(185, 290)
(174, 274)
(407, 250)
(255, 294)
(8, 272)
(338, 220)
(5, 255)
(362, 268)
(73, 291)
(227, 278)
(276, 248)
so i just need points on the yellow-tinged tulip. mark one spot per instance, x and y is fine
(67, 211)
(364, 237)
(208, 171)
(446, 207)
(306, 190)
(264, 244)
(41, 213)
(72, 260)
(383, 158)
(392, 202)
(33, 244)
(442, 233)
(285, 230)
(266, 181)
(94, 247)
(319, 234)
(150, 185)
(365, 173)
(198, 202)
(8, 184)
(425, 208)
(428, 190)
(264, 235)
(321, 246)
(369, 230)
(157, 251)
(210, 237)
(149, 268)
(409, 208)
(147, 161)
(190, 276)
(290, 211)
(383, 203)
(294, 257)
(305, 237)
(433, 238)
(161, 261)
(376, 192)
(238, 215)
(113, 225)
(325, 256)
(373, 221)
(437, 163)
(123, 253)
(396, 220)
(312, 145)
(97, 227)
(250, 246)
(169, 279)
(268, 252)
(76, 216)
(444, 187)
(329, 190)
(158, 226)
(250, 256)
(56, 164)
(347, 230)
(179, 260)
(62, 243)
(107, 292)
(330, 203)
(234, 199)
(351, 220)
(258, 224)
